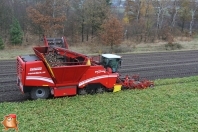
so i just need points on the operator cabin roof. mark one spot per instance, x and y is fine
(111, 56)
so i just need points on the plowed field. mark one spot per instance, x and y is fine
(148, 65)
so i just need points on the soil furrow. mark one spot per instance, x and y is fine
(148, 65)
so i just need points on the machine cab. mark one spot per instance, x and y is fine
(111, 60)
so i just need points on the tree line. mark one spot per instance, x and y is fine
(97, 20)
(161, 19)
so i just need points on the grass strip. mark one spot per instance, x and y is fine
(171, 107)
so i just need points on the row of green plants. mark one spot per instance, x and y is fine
(176, 81)
(163, 108)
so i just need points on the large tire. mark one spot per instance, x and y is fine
(82, 91)
(151, 86)
(100, 90)
(39, 93)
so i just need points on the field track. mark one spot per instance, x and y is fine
(148, 65)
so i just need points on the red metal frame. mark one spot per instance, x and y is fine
(65, 42)
(45, 41)
(64, 39)
(66, 79)
(134, 82)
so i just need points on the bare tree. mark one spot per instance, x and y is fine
(5, 17)
(90, 15)
(51, 19)
(193, 6)
(184, 13)
(140, 16)
(161, 10)
(133, 10)
(175, 12)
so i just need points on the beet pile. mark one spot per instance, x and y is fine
(54, 60)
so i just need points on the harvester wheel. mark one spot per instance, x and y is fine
(40, 93)
(82, 91)
(151, 86)
(100, 90)
(124, 88)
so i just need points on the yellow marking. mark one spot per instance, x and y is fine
(117, 87)
(50, 69)
(88, 62)
(45, 85)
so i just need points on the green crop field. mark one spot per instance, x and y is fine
(171, 106)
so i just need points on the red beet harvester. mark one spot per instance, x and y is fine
(72, 73)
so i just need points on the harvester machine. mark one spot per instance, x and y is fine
(58, 71)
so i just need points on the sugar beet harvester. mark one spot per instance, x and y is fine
(59, 72)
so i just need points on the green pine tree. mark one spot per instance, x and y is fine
(1, 44)
(16, 34)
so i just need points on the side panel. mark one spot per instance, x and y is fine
(20, 73)
(65, 91)
(98, 74)
(69, 74)
(36, 74)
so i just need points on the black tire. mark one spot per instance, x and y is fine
(109, 90)
(39, 93)
(82, 91)
(124, 88)
(151, 86)
(100, 90)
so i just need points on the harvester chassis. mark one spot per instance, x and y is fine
(60, 72)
